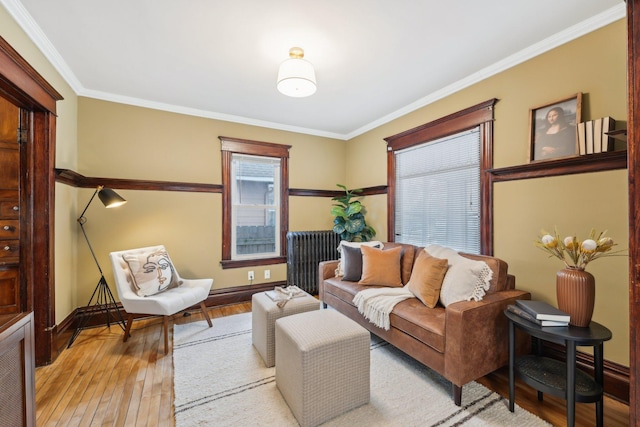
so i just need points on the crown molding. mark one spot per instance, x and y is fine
(585, 27)
(33, 31)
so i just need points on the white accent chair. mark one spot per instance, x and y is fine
(167, 303)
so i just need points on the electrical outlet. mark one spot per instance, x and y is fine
(250, 275)
(267, 274)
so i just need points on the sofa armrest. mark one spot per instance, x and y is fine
(326, 270)
(477, 336)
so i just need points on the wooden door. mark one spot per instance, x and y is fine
(10, 278)
(26, 282)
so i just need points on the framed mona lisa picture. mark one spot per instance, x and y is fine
(552, 129)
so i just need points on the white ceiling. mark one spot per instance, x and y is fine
(375, 60)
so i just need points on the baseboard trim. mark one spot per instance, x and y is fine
(217, 298)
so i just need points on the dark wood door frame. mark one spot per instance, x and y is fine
(633, 133)
(23, 86)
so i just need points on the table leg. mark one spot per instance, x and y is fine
(571, 383)
(598, 357)
(512, 361)
(539, 353)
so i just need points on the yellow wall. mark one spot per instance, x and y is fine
(594, 65)
(121, 141)
(66, 157)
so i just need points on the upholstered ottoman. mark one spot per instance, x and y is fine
(264, 314)
(322, 365)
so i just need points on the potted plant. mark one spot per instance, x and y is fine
(348, 219)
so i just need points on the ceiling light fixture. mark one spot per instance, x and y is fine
(296, 76)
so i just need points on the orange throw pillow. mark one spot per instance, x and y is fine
(381, 267)
(426, 278)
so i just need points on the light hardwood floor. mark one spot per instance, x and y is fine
(101, 381)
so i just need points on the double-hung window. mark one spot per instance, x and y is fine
(255, 208)
(255, 218)
(438, 185)
(437, 196)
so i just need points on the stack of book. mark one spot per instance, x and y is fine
(540, 313)
(593, 136)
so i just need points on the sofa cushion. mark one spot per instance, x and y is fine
(409, 253)
(426, 278)
(424, 324)
(409, 316)
(352, 263)
(466, 279)
(344, 243)
(499, 281)
(381, 267)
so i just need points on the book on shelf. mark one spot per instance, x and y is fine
(582, 147)
(525, 315)
(597, 136)
(589, 137)
(542, 310)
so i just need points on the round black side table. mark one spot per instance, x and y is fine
(554, 377)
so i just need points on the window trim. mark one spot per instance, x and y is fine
(480, 115)
(230, 146)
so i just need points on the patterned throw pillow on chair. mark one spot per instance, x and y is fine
(151, 272)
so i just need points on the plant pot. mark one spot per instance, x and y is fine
(576, 294)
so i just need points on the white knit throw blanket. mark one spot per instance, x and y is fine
(375, 304)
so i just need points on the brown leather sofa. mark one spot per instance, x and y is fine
(462, 342)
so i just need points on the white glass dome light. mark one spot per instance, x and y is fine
(296, 76)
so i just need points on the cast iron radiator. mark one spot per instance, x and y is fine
(305, 249)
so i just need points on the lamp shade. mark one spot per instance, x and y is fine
(296, 76)
(110, 199)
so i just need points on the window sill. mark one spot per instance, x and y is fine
(230, 263)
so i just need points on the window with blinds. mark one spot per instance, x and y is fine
(437, 198)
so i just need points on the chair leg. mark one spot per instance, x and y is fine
(166, 334)
(127, 329)
(206, 314)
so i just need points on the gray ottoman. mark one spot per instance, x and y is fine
(322, 365)
(264, 314)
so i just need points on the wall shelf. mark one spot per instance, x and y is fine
(599, 162)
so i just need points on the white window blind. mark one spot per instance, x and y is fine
(255, 213)
(438, 193)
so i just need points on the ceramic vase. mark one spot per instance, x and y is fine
(576, 293)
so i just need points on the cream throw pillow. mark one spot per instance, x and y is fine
(426, 278)
(465, 280)
(380, 267)
(151, 272)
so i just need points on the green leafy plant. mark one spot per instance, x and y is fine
(349, 220)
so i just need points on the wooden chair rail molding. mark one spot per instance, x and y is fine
(75, 179)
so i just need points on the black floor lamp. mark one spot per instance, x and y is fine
(104, 298)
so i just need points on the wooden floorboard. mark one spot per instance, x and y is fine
(102, 381)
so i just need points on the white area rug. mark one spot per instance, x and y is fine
(221, 380)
